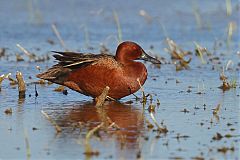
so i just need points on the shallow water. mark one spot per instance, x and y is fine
(190, 133)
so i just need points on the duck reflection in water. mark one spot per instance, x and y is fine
(127, 118)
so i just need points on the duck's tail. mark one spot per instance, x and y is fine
(56, 74)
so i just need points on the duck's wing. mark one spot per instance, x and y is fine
(68, 61)
(75, 60)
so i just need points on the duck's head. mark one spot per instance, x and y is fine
(129, 51)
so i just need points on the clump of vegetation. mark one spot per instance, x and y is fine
(218, 136)
(225, 84)
(224, 150)
(217, 109)
(177, 55)
(151, 110)
(8, 111)
(144, 96)
(200, 51)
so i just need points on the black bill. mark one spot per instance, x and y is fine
(148, 58)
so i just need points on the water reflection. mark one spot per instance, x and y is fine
(128, 118)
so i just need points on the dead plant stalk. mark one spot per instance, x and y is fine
(88, 149)
(58, 36)
(24, 50)
(101, 98)
(21, 85)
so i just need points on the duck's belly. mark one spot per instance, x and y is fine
(93, 79)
